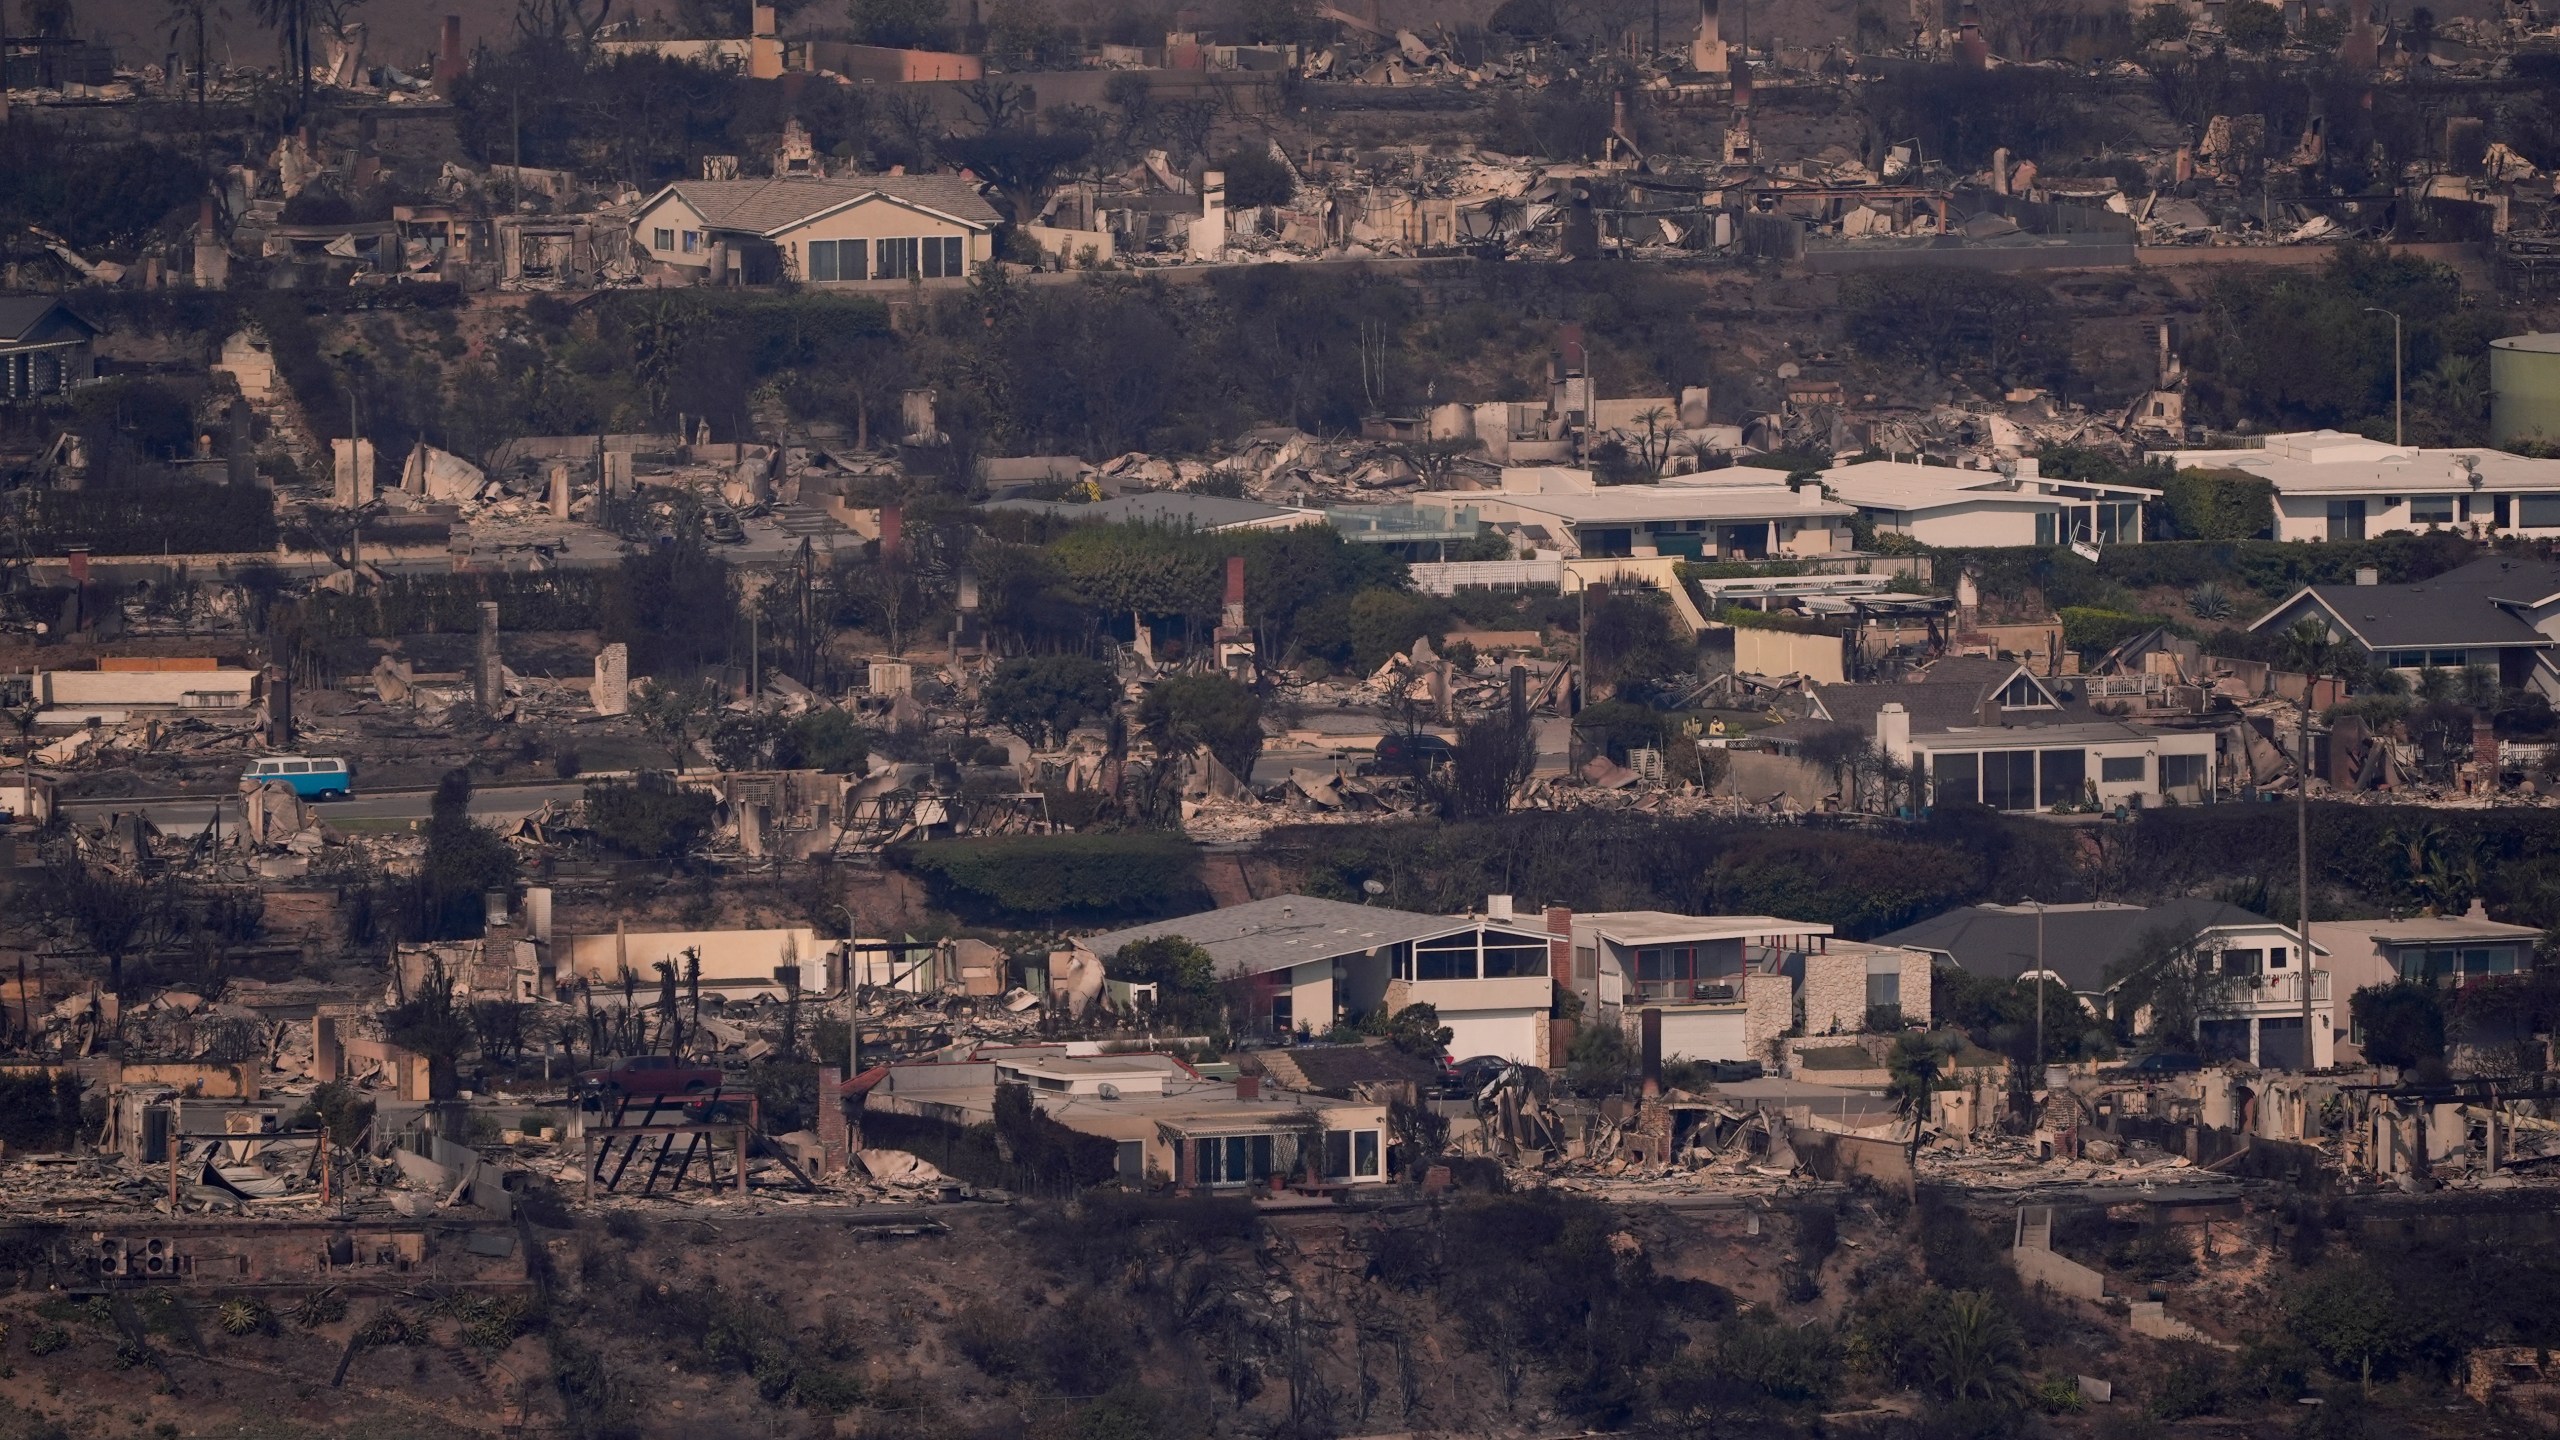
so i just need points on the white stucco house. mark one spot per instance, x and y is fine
(2334, 486)
(852, 231)
(1304, 963)
(2018, 505)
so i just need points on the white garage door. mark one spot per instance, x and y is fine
(1511, 1034)
(1702, 1035)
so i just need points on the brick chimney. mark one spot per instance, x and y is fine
(1234, 612)
(891, 525)
(449, 66)
(1560, 1032)
(835, 1146)
(1248, 1087)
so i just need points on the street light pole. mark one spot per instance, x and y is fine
(2398, 370)
(2035, 1080)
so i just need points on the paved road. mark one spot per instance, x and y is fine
(191, 812)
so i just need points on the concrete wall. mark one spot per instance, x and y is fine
(739, 962)
(143, 688)
(2060, 1275)
(1972, 522)
(1784, 652)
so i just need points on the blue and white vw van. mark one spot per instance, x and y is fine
(312, 779)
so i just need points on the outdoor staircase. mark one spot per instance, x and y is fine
(2035, 1227)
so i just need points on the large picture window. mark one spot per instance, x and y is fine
(2009, 779)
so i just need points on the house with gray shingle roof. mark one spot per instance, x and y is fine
(851, 230)
(1976, 731)
(1302, 961)
(2501, 612)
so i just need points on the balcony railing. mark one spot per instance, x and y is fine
(2280, 988)
(1690, 992)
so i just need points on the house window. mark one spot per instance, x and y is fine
(2538, 512)
(1667, 972)
(2275, 957)
(1453, 958)
(2431, 509)
(941, 257)
(2241, 962)
(1350, 1154)
(2065, 774)
(2048, 527)
(1506, 958)
(693, 242)
(2023, 693)
(2346, 519)
(1956, 779)
(1284, 1012)
(2121, 769)
(2183, 772)
(1231, 1159)
(2502, 508)
(662, 239)
(897, 259)
(1884, 982)
(2448, 659)
(2456, 964)
(822, 260)
(2009, 779)
(1586, 963)
(2119, 524)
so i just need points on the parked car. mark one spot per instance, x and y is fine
(1461, 1079)
(652, 1077)
(311, 778)
(1401, 754)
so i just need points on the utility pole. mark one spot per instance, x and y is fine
(2398, 371)
(2302, 875)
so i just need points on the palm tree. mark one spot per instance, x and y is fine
(1916, 1064)
(1975, 1354)
(193, 24)
(291, 20)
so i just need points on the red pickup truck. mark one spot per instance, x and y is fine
(652, 1075)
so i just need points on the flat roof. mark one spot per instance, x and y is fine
(2331, 462)
(1635, 504)
(1904, 485)
(1166, 507)
(2437, 927)
(1656, 927)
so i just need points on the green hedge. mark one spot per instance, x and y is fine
(1047, 879)
(2272, 568)
(177, 519)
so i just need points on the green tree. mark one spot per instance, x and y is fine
(2349, 1314)
(1976, 1351)
(2403, 1024)
(1255, 178)
(652, 816)
(465, 861)
(1916, 1065)
(1022, 163)
(1211, 711)
(2253, 24)
(1185, 977)
(677, 713)
(1416, 1030)
(2215, 504)
(1632, 642)
(828, 740)
(1043, 697)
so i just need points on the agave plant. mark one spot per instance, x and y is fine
(2209, 601)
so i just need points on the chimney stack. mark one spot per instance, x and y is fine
(891, 524)
(1498, 907)
(493, 686)
(1234, 612)
(449, 66)
(1248, 1087)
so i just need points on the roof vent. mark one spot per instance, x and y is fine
(2368, 575)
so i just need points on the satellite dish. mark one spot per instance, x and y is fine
(1373, 887)
(1107, 1090)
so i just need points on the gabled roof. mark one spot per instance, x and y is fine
(1285, 930)
(1947, 695)
(2080, 941)
(36, 319)
(770, 207)
(2470, 606)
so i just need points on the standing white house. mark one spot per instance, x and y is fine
(2334, 486)
(861, 230)
(1942, 505)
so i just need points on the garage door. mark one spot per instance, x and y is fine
(1703, 1035)
(1511, 1034)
